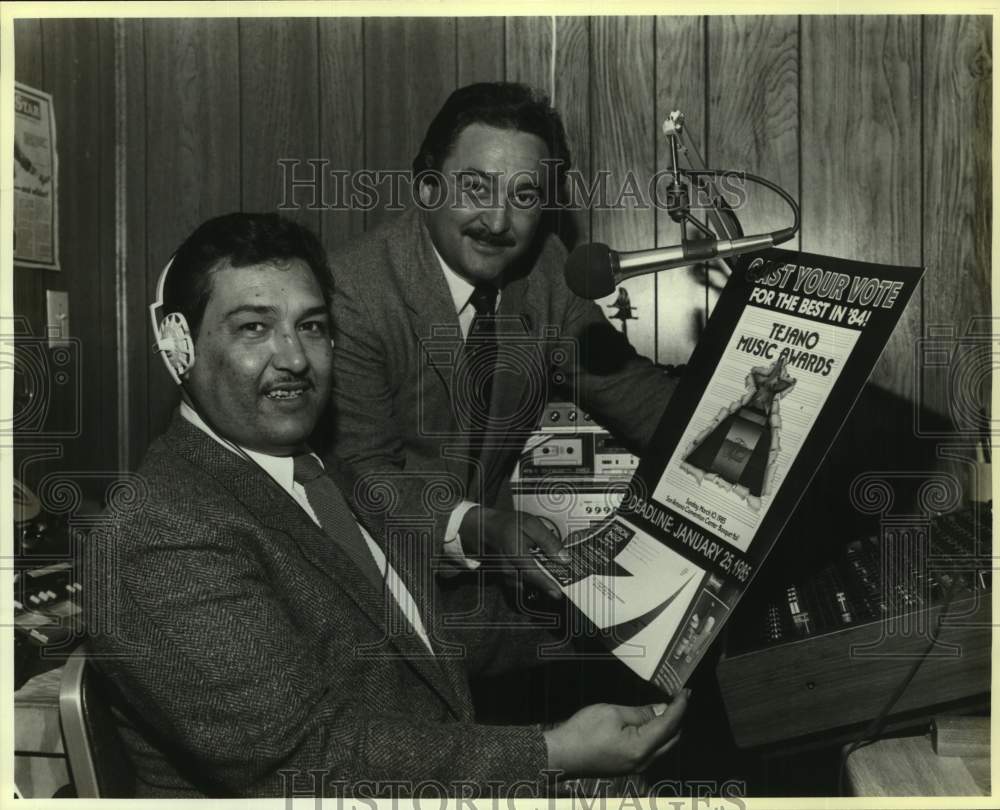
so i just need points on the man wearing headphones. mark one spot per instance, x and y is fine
(256, 639)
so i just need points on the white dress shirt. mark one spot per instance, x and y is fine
(282, 470)
(461, 295)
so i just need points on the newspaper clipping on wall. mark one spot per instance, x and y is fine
(790, 344)
(36, 213)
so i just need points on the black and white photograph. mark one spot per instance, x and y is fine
(422, 402)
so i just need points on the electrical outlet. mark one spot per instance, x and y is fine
(57, 317)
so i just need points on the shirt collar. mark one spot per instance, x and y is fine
(460, 288)
(280, 468)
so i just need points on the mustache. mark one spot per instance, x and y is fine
(485, 235)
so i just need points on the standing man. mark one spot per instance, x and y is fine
(454, 328)
(256, 640)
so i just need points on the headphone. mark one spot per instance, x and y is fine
(173, 334)
(176, 346)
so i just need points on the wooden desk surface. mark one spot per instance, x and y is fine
(908, 766)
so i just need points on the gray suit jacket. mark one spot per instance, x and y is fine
(400, 409)
(241, 642)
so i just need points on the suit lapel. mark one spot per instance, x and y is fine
(420, 586)
(435, 327)
(381, 607)
(278, 511)
(433, 319)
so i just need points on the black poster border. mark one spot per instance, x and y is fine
(702, 365)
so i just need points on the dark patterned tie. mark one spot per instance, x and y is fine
(480, 363)
(335, 516)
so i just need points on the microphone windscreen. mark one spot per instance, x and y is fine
(590, 272)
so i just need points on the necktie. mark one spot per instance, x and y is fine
(335, 516)
(480, 362)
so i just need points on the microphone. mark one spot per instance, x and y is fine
(595, 270)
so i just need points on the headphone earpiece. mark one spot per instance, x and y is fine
(175, 344)
(173, 335)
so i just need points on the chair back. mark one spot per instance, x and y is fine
(98, 762)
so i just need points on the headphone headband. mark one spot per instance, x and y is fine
(172, 332)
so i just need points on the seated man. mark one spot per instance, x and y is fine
(254, 636)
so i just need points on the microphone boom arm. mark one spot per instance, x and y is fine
(681, 143)
(593, 270)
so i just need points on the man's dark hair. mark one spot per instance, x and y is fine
(237, 240)
(504, 105)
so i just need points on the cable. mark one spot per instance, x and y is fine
(780, 236)
(875, 727)
(686, 144)
(787, 233)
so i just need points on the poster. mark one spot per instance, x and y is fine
(36, 210)
(791, 342)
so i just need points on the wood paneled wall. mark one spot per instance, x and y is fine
(880, 126)
(74, 61)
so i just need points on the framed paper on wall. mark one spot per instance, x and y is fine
(36, 164)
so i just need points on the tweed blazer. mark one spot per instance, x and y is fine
(400, 416)
(244, 647)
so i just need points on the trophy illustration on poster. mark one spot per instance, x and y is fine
(740, 447)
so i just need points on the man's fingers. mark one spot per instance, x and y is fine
(663, 726)
(538, 534)
(637, 715)
(653, 717)
(535, 577)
